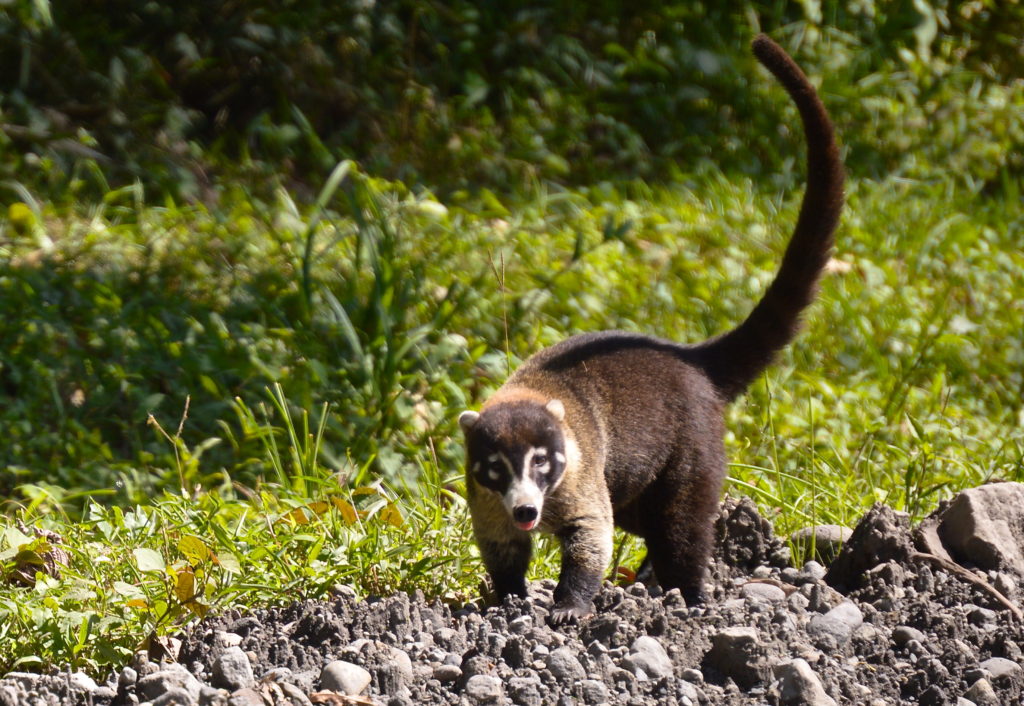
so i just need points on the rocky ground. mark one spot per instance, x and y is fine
(928, 616)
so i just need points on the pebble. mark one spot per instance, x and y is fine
(982, 618)
(562, 663)
(175, 696)
(1000, 668)
(837, 624)
(902, 634)
(246, 697)
(799, 685)
(482, 689)
(762, 591)
(694, 676)
(232, 670)
(736, 652)
(982, 693)
(344, 677)
(171, 676)
(447, 672)
(593, 691)
(647, 654)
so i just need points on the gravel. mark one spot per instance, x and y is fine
(881, 627)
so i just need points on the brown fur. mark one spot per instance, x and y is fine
(642, 425)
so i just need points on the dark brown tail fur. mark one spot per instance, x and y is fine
(734, 359)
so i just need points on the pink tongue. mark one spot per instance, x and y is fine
(526, 526)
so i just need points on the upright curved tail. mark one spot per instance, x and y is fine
(734, 360)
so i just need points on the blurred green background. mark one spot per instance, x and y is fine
(519, 172)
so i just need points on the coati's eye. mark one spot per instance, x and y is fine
(540, 460)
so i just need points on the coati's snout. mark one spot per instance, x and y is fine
(517, 451)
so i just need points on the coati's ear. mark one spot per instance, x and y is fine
(556, 408)
(468, 419)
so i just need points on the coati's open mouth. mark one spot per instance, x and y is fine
(526, 526)
(526, 516)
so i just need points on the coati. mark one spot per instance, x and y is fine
(627, 429)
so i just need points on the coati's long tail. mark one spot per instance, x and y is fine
(735, 359)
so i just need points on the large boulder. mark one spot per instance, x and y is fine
(984, 527)
(881, 536)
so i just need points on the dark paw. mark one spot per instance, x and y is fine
(695, 596)
(564, 613)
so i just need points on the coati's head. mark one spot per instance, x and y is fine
(517, 450)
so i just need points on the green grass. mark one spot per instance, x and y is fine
(323, 354)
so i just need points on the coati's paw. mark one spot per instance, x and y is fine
(565, 612)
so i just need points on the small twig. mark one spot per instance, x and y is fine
(971, 578)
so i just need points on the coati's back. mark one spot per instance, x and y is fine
(645, 398)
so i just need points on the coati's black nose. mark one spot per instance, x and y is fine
(524, 514)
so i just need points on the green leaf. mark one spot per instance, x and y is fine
(148, 560)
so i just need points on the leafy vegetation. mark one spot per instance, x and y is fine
(457, 94)
(240, 323)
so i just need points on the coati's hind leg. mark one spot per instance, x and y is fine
(678, 526)
(586, 551)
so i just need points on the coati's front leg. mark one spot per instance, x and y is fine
(507, 560)
(586, 551)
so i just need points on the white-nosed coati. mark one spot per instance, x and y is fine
(626, 429)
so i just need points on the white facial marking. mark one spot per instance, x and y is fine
(560, 457)
(536, 461)
(492, 472)
(523, 492)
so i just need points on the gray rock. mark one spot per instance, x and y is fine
(882, 535)
(984, 618)
(127, 678)
(344, 677)
(208, 696)
(694, 676)
(176, 696)
(396, 673)
(525, 691)
(593, 691)
(813, 570)
(737, 653)
(902, 634)
(562, 663)
(82, 682)
(169, 677)
(838, 623)
(762, 591)
(1001, 668)
(232, 670)
(982, 693)
(104, 694)
(821, 542)
(476, 665)
(985, 527)
(294, 694)
(447, 672)
(799, 685)
(1005, 584)
(647, 654)
(482, 689)
(246, 697)
(224, 639)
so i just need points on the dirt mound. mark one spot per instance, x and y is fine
(895, 620)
